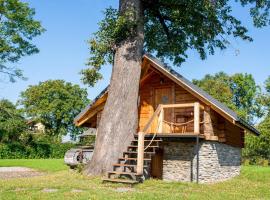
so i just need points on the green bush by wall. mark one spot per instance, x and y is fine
(17, 150)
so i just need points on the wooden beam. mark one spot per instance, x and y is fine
(173, 110)
(147, 126)
(143, 79)
(207, 126)
(211, 138)
(182, 105)
(145, 67)
(140, 155)
(92, 110)
(221, 132)
(160, 121)
(197, 118)
(90, 114)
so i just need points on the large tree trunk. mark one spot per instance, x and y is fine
(119, 120)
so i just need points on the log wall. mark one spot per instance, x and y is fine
(215, 127)
(178, 95)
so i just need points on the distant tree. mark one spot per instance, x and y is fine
(265, 97)
(259, 147)
(55, 103)
(239, 92)
(166, 28)
(267, 85)
(17, 29)
(12, 123)
(217, 85)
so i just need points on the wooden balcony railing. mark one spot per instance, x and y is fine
(159, 115)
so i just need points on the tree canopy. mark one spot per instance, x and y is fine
(12, 122)
(17, 28)
(265, 97)
(259, 147)
(238, 91)
(55, 103)
(171, 27)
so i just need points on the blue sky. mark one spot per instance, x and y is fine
(64, 51)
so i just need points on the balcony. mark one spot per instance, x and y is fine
(175, 120)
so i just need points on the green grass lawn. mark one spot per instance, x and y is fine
(253, 183)
(51, 165)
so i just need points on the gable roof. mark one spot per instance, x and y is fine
(204, 96)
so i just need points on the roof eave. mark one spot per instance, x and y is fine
(248, 126)
(87, 108)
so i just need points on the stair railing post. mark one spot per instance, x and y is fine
(160, 120)
(140, 155)
(197, 118)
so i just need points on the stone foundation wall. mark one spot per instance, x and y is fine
(217, 161)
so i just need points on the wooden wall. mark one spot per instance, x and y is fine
(226, 131)
(223, 130)
(176, 94)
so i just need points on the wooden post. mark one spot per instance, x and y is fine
(197, 118)
(197, 131)
(207, 126)
(140, 155)
(173, 109)
(160, 121)
(197, 163)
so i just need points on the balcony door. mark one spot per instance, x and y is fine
(163, 95)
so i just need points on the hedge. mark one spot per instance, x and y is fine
(33, 150)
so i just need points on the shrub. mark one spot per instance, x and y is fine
(59, 150)
(33, 150)
(13, 150)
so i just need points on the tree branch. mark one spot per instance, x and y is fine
(154, 5)
(163, 24)
(8, 73)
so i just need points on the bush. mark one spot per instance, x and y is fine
(13, 150)
(256, 161)
(59, 150)
(258, 148)
(34, 150)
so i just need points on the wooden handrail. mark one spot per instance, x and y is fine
(182, 105)
(147, 126)
(140, 155)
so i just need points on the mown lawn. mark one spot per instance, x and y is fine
(254, 183)
(50, 165)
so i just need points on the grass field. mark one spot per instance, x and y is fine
(51, 165)
(61, 183)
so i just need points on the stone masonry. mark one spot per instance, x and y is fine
(217, 161)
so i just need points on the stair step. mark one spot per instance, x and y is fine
(126, 165)
(135, 152)
(127, 156)
(147, 159)
(116, 180)
(134, 146)
(148, 140)
(122, 173)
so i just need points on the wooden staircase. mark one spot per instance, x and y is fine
(125, 170)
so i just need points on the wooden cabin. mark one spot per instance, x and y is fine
(184, 134)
